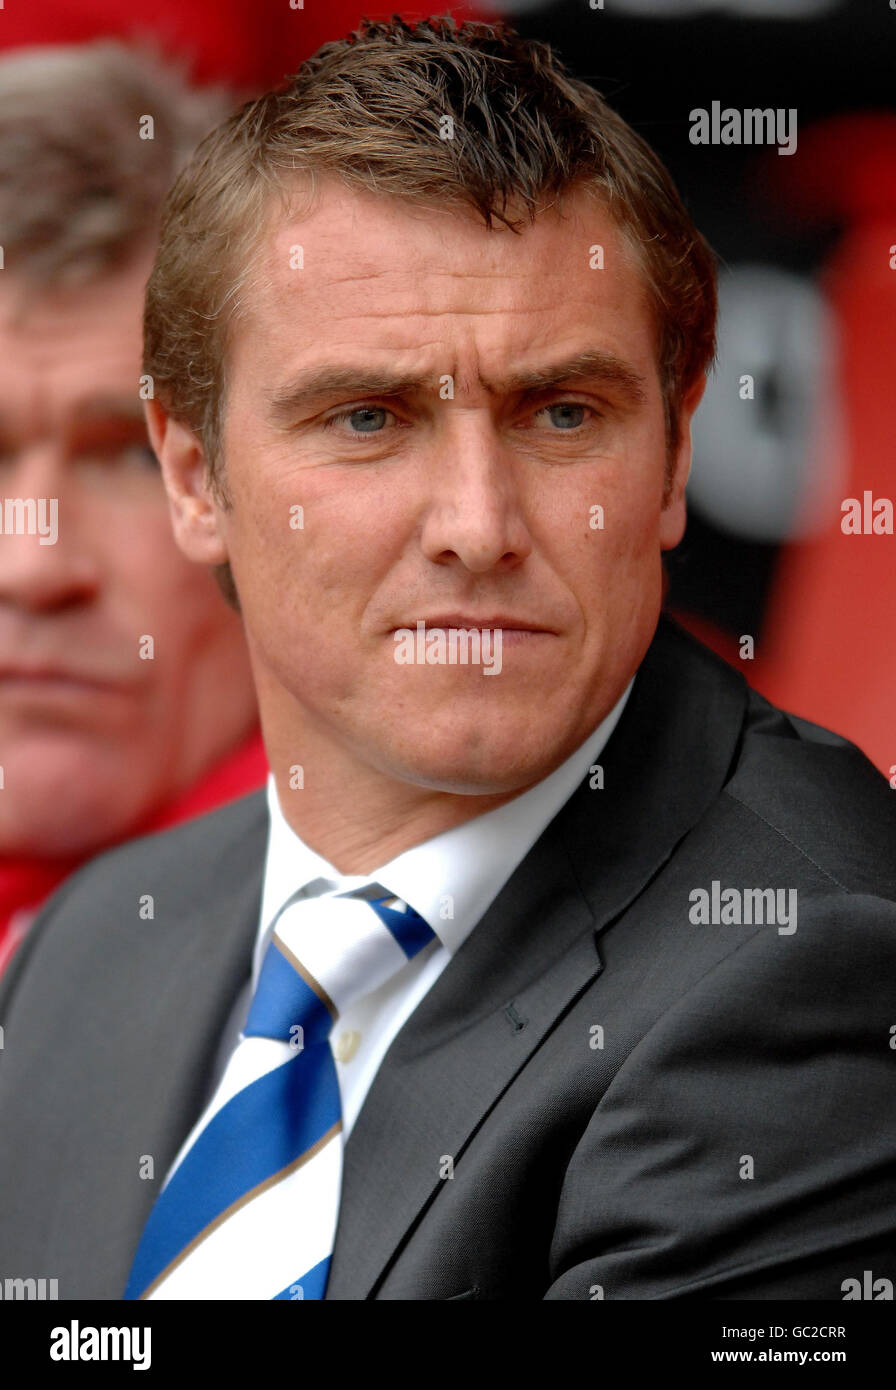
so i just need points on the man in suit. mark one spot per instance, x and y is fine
(608, 939)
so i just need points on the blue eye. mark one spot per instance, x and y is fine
(564, 422)
(143, 455)
(366, 415)
(127, 457)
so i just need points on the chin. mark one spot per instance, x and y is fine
(70, 805)
(471, 783)
(469, 771)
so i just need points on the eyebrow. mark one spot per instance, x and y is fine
(97, 408)
(334, 380)
(91, 411)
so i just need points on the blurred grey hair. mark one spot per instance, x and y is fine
(80, 190)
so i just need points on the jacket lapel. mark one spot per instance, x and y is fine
(146, 1002)
(534, 951)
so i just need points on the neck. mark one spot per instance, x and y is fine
(358, 819)
(355, 815)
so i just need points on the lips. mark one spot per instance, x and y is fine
(56, 676)
(489, 621)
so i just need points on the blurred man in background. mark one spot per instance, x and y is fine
(126, 701)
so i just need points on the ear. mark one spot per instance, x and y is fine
(674, 515)
(195, 514)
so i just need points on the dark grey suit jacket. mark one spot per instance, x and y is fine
(636, 1105)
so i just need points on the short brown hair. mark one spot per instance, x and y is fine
(367, 109)
(80, 191)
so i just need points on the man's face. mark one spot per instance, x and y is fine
(92, 737)
(463, 500)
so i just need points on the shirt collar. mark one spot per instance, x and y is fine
(452, 879)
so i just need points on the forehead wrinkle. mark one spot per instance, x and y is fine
(351, 277)
(332, 379)
(351, 316)
(591, 364)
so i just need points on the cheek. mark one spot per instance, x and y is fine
(159, 569)
(167, 593)
(608, 522)
(328, 538)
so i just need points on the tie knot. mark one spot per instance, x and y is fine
(327, 951)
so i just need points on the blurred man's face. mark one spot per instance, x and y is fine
(92, 737)
(437, 486)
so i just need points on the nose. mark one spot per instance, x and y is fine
(40, 573)
(476, 511)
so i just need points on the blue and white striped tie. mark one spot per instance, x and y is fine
(249, 1210)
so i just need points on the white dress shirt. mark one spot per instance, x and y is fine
(451, 880)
